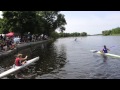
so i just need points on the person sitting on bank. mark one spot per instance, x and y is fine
(19, 60)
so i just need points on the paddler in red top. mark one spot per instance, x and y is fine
(19, 60)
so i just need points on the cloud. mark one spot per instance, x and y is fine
(92, 23)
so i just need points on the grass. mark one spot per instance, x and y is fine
(115, 35)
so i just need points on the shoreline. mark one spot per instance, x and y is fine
(6, 54)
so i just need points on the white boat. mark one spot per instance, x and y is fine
(16, 68)
(107, 54)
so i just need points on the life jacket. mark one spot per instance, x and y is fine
(105, 50)
(17, 62)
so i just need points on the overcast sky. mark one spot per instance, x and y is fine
(92, 22)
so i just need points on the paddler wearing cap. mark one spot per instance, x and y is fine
(19, 60)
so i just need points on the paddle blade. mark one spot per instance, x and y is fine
(112, 47)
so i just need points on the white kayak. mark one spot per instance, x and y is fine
(16, 68)
(107, 54)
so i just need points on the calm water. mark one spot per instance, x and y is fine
(66, 58)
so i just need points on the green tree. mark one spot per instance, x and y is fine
(1, 25)
(42, 22)
(55, 35)
(52, 20)
(83, 34)
(19, 21)
(112, 31)
(62, 29)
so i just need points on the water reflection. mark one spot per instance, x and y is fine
(51, 60)
(105, 58)
(82, 63)
(26, 73)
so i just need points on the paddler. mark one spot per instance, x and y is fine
(19, 60)
(75, 39)
(105, 49)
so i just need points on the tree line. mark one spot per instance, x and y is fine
(111, 32)
(35, 22)
(74, 34)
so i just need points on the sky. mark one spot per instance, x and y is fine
(0, 14)
(91, 22)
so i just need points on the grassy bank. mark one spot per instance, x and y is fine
(112, 35)
(115, 35)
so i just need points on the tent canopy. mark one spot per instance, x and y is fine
(11, 34)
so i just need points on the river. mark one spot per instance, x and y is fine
(66, 58)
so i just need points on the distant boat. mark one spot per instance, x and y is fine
(75, 39)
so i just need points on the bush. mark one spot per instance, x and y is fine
(54, 35)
